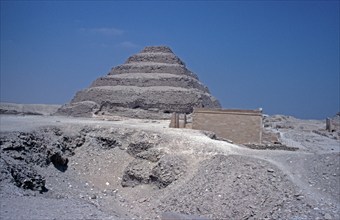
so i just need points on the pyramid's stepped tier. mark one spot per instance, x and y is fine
(150, 79)
(150, 67)
(150, 84)
(169, 58)
(157, 49)
(160, 98)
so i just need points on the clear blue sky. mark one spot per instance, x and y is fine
(282, 56)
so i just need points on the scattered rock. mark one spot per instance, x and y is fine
(59, 161)
(327, 216)
(168, 169)
(136, 148)
(152, 154)
(137, 172)
(143, 200)
(108, 143)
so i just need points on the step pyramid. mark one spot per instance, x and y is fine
(150, 84)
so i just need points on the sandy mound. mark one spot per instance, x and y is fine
(129, 168)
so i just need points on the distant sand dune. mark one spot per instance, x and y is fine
(27, 109)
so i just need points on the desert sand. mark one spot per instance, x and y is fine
(56, 167)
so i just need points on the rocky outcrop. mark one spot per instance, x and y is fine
(150, 84)
(23, 153)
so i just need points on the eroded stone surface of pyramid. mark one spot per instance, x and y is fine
(150, 84)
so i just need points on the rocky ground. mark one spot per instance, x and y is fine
(55, 167)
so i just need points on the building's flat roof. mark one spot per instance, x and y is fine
(228, 111)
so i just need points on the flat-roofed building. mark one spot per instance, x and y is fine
(239, 126)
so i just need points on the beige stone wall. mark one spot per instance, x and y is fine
(239, 126)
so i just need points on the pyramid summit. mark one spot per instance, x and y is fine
(150, 84)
